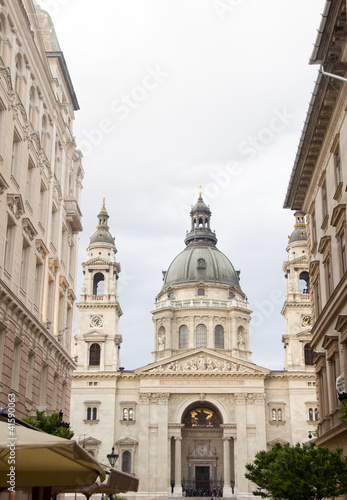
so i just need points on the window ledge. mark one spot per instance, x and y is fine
(128, 422)
(91, 422)
(277, 423)
(325, 223)
(338, 192)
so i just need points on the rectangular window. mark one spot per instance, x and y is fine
(54, 226)
(38, 283)
(64, 246)
(317, 296)
(43, 385)
(15, 162)
(9, 245)
(337, 161)
(343, 251)
(2, 125)
(17, 350)
(43, 205)
(314, 231)
(324, 200)
(30, 183)
(24, 264)
(29, 380)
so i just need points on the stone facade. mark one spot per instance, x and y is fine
(40, 185)
(201, 410)
(318, 187)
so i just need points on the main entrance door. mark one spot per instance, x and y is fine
(202, 478)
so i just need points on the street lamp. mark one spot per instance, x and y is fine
(112, 457)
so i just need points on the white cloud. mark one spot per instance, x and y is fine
(227, 77)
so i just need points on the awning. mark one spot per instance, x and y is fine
(117, 482)
(40, 459)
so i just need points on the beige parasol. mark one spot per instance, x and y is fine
(32, 458)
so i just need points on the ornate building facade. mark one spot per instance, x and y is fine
(188, 422)
(318, 187)
(40, 185)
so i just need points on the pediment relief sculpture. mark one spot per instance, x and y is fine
(203, 364)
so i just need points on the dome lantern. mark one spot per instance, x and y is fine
(300, 229)
(200, 224)
(102, 234)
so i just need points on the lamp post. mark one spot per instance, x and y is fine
(112, 457)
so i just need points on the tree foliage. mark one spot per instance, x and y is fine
(50, 424)
(300, 472)
(343, 412)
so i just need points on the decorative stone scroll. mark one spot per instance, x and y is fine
(203, 364)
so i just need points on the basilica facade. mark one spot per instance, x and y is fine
(187, 423)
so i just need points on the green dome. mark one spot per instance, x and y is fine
(201, 263)
(300, 230)
(102, 236)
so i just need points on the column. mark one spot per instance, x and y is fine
(227, 491)
(324, 393)
(178, 466)
(241, 483)
(210, 333)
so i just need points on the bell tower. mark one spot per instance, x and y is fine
(297, 309)
(98, 341)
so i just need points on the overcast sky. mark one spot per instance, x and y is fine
(180, 93)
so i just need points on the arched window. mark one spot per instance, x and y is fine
(316, 414)
(89, 413)
(183, 337)
(219, 337)
(94, 355)
(201, 336)
(95, 413)
(310, 413)
(131, 414)
(98, 284)
(273, 415)
(126, 461)
(279, 415)
(308, 351)
(125, 414)
(304, 282)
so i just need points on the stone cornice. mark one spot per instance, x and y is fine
(287, 374)
(32, 323)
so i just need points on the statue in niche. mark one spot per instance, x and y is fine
(240, 340)
(161, 341)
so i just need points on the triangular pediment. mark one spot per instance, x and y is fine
(97, 261)
(127, 442)
(89, 441)
(95, 334)
(203, 361)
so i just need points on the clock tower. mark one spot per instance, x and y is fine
(98, 341)
(297, 309)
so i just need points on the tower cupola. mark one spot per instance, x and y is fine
(102, 234)
(300, 230)
(200, 232)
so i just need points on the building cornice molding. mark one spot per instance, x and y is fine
(12, 303)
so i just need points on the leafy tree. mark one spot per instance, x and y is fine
(300, 472)
(343, 412)
(51, 424)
